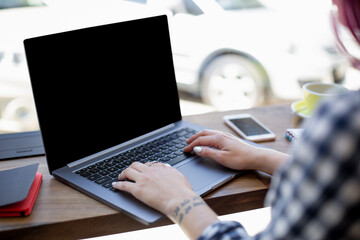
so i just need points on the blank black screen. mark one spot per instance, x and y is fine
(248, 126)
(95, 88)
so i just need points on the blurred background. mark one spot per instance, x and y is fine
(228, 54)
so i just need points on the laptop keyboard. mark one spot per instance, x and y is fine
(166, 149)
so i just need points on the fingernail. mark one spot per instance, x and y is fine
(113, 183)
(197, 149)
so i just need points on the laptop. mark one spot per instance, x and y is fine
(107, 96)
(21, 144)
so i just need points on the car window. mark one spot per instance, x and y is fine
(239, 4)
(192, 8)
(19, 3)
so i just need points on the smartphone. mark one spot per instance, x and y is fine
(249, 127)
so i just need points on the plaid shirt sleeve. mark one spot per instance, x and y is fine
(316, 194)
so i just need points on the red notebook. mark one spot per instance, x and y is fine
(24, 207)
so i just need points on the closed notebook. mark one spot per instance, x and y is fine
(24, 207)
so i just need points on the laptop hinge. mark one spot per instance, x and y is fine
(83, 160)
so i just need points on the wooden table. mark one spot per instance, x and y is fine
(61, 212)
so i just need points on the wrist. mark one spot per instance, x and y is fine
(268, 160)
(175, 202)
(192, 214)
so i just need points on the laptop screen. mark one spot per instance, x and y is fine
(97, 87)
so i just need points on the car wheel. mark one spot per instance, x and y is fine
(21, 113)
(232, 82)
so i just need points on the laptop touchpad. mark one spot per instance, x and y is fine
(205, 174)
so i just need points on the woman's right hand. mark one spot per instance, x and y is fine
(233, 152)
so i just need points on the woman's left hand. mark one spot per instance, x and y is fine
(167, 190)
(156, 184)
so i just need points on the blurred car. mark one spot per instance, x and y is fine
(238, 54)
(231, 53)
(17, 110)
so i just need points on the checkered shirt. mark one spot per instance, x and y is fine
(316, 194)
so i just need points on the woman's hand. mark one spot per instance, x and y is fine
(233, 152)
(156, 184)
(167, 190)
(164, 188)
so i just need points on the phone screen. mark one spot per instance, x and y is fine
(248, 126)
